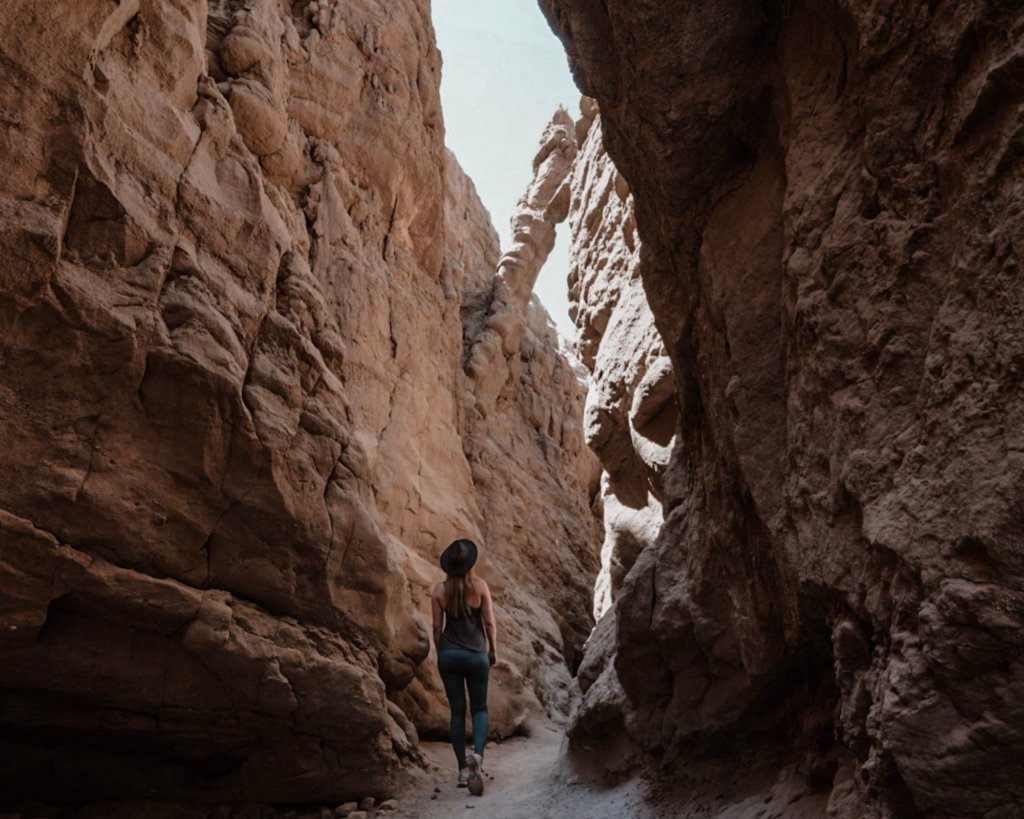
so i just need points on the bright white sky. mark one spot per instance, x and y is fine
(504, 75)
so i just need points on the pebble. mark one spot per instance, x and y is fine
(346, 809)
(367, 803)
(388, 804)
(359, 814)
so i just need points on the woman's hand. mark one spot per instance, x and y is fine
(489, 625)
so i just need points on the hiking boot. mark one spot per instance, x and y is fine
(463, 777)
(475, 766)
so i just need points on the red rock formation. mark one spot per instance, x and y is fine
(829, 198)
(239, 431)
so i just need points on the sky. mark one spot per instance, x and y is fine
(504, 74)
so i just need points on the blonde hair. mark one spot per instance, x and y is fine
(456, 594)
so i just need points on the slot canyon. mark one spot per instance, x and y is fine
(755, 535)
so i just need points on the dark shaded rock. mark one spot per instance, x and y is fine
(829, 201)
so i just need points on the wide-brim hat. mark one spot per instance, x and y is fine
(459, 557)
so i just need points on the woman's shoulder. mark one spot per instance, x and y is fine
(480, 586)
(438, 590)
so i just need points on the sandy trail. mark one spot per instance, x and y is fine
(523, 780)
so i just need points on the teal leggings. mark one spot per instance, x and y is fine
(460, 670)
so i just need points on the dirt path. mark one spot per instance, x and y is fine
(523, 780)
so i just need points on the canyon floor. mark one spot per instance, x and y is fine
(524, 779)
(527, 778)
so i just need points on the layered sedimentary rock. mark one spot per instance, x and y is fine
(829, 201)
(239, 430)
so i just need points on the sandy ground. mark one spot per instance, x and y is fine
(523, 780)
(527, 779)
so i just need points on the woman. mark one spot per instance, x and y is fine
(466, 640)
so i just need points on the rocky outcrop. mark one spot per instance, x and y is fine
(544, 205)
(828, 198)
(630, 417)
(236, 266)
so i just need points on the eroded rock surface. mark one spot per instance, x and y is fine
(630, 417)
(236, 265)
(829, 202)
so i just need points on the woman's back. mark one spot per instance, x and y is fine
(464, 630)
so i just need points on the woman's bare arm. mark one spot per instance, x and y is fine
(490, 626)
(437, 609)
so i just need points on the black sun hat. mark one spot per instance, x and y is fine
(459, 557)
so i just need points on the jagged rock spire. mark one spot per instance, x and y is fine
(543, 205)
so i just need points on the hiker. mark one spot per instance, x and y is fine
(466, 640)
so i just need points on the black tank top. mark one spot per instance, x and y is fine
(466, 633)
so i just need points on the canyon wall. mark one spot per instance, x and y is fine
(239, 280)
(828, 200)
(630, 419)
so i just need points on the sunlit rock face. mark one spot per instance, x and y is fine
(829, 206)
(630, 418)
(236, 265)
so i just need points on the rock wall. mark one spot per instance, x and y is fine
(236, 265)
(829, 202)
(630, 418)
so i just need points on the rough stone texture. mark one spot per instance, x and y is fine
(829, 198)
(630, 417)
(231, 349)
(493, 343)
(522, 439)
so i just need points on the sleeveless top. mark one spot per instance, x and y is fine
(465, 633)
